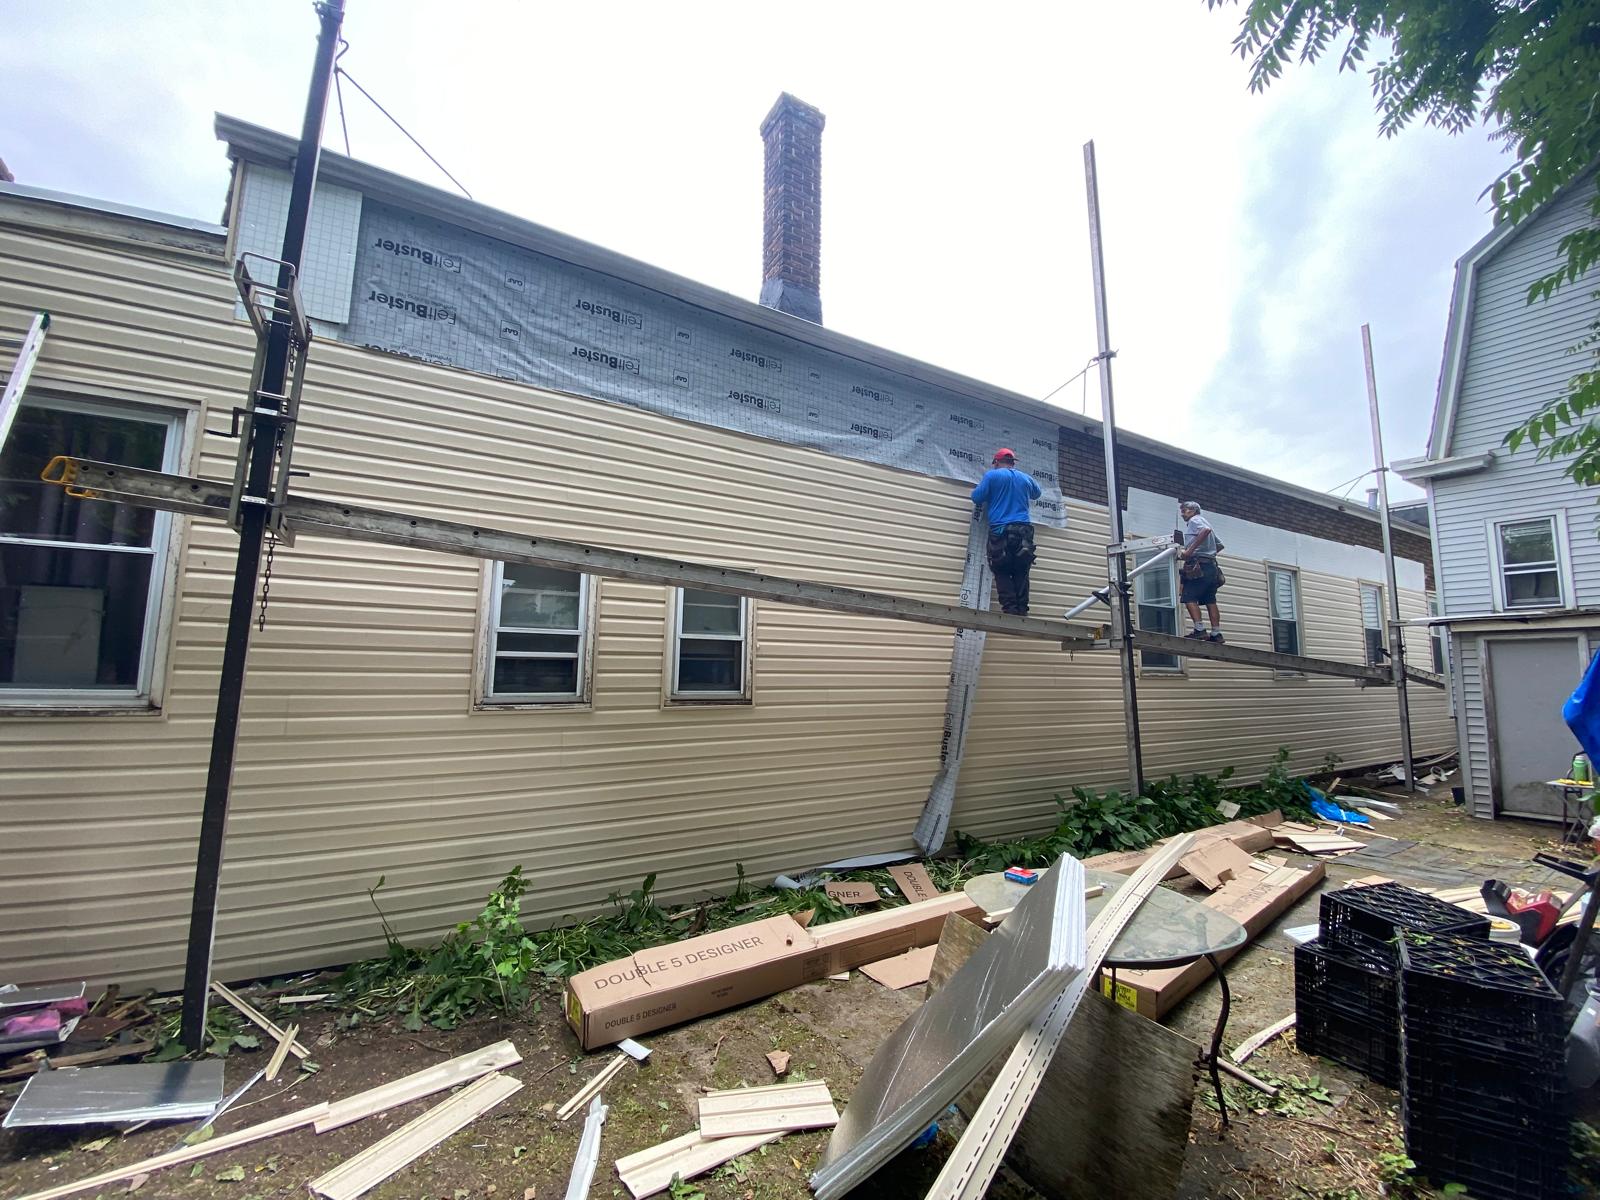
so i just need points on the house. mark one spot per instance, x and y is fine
(432, 721)
(1514, 540)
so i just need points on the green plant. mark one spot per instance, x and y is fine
(225, 1031)
(679, 1190)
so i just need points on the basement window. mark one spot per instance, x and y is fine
(539, 625)
(709, 647)
(81, 581)
(1372, 624)
(1530, 572)
(1156, 594)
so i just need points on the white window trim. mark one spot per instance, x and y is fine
(1383, 620)
(146, 696)
(1181, 669)
(1491, 531)
(484, 697)
(1299, 617)
(675, 698)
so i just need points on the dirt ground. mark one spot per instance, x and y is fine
(1323, 1141)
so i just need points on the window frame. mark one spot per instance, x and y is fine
(673, 695)
(1299, 618)
(1179, 666)
(1438, 638)
(1383, 629)
(486, 698)
(165, 550)
(1558, 534)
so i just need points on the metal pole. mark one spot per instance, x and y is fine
(1108, 427)
(1397, 646)
(252, 530)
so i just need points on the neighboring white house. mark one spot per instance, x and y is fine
(1516, 553)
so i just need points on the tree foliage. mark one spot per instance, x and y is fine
(1528, 68)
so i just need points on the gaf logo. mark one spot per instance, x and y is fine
(684, 336)
(1047, 446)
(871, 393)
(432, 258)
(516, 283)
(426, 309)
(756, 400)
(605, 312)
(434, 359)
(763, 361)
(878, 433)
(603, 358)
(512, 332)
(963, 419)
(681, 379)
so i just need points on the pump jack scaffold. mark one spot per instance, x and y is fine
(258, 503)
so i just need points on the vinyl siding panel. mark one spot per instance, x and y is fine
(1517, 359)
(362, 755)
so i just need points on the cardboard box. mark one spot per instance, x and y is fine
(683, 980)
(678, 982)
(1253, 902)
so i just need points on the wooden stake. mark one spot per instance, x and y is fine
(278, 1055)
(295, 1048)
(1244, 1076)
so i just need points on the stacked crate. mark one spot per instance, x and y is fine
(1482, 1089)
(1346, 982)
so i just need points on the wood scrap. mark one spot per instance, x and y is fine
(256, 1018)
(215, 1145)
(778, 1108)
(360, 1174)
(313, 998)
(1255, 1041)
(281, 1052)
(651, 1171)
(778, 1060)
(596, 1082)
(88, 1058)
(418, 1084)
(1239, 1073)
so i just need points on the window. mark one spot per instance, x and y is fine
(709, 647)
(1156, 594)
(80, 580)
(1283, 595)
(1372, 623)
(539, 627)
(1436, 635)
(1530, 573)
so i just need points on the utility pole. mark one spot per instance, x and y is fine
(1397, 646)
(1122, 610)
(266, 417)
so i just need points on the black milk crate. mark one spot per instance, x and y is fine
(1476, 996)
(1367, 918)
(1493, 1164)
(1347, 1009)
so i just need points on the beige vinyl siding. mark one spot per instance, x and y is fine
(362, 754)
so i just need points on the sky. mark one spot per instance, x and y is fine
(1247, 236)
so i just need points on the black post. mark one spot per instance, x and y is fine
(253, 514)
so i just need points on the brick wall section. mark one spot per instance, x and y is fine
(1083, 477)
(791, 259)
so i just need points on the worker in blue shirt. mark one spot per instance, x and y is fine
(1006, 492)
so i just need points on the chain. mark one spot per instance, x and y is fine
(266, 581)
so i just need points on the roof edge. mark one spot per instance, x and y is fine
(128, 212)
(256, 143)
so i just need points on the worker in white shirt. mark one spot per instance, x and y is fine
(1200, 575)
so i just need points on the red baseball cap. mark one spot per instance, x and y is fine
(1004, 453)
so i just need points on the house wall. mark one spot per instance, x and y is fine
(1517, 359)
(361, 754)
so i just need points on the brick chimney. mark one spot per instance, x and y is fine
(792, 211)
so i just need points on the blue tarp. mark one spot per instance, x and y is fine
(1581, 712)
(1329, 811)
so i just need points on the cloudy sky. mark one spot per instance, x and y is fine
(1247, 236)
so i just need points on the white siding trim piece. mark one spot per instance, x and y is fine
(359, 1175)
(1155, 514)
(650, 1171)
(418, 1084)
(780, 1108)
